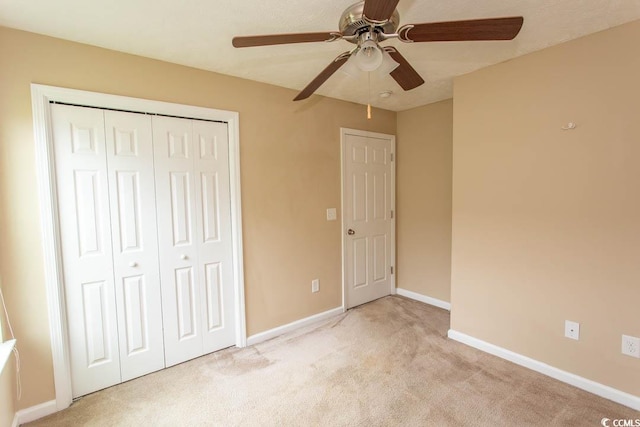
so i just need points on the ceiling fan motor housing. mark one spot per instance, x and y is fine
(352, 22)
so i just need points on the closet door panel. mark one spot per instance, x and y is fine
(129, 147)
(176, 196)
(83, 207)
(214, 234)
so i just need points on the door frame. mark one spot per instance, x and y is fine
(343, 133)
(41, 98)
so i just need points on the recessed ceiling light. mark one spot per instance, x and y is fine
(385, 93)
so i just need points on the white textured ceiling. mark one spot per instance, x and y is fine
(198, 33)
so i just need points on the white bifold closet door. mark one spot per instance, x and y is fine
(194, 220)
(106, 198)
(145, 226)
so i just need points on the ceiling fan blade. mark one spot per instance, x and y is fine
(379, 10)
(271, 39)
(477, 29)
(323, 76)
(406, 76)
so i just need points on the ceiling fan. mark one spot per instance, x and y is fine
(368, 23)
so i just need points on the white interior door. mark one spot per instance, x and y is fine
(129, 147)
(83, 206)
(368, 224)
(214, 240)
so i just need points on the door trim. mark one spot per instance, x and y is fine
(41, 97)
(343, 133)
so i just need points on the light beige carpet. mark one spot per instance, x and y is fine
(382, 364)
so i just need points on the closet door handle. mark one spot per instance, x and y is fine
(133, 264)
(183, 256)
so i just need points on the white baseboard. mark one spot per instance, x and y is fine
(601, 390)
(423, 298)
(35, 412)
(272, 333)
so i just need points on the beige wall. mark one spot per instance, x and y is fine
(290, 161)
(424, 149)
(546, 222)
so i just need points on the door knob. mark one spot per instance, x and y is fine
(351, 232)
(133, 264)
(183, 256)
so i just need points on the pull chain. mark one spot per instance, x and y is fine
(369, 96)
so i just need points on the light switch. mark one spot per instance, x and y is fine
(331, 214)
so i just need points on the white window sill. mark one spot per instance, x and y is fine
(5, 351)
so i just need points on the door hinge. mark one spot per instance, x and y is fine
(392, 157)
(391, 269)
(391, 214)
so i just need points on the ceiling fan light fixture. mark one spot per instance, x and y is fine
(369, 57)
(353, 69)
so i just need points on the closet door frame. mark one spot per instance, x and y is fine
(41, 98)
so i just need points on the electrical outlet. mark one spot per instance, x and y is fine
(572, 330)
(631, 346)
(315, 285)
